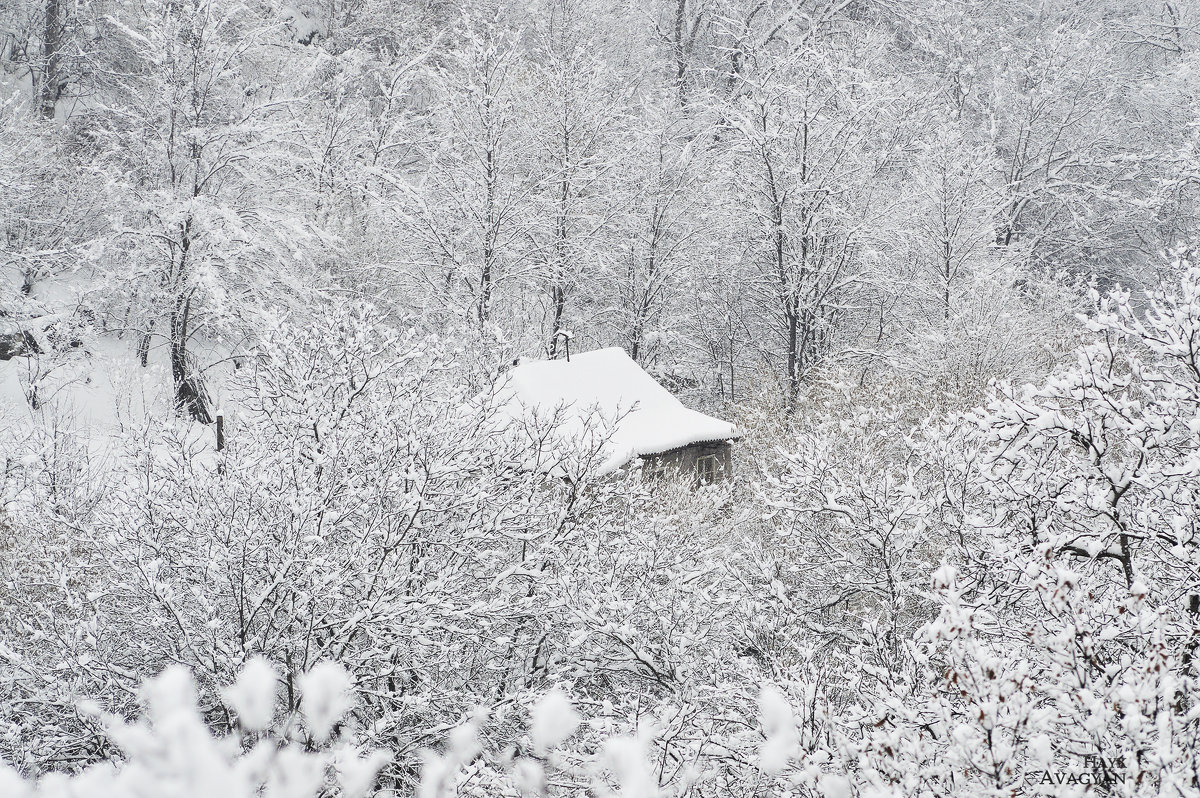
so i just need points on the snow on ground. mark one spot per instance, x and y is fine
(98, 386)
(98, 395)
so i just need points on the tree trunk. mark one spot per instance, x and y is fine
(947, 273)
(143, 348)
(789, 292)
(487, 275)
(51, 82)
(558, 274)
(791, 313)
(680, 54)
(645, 298)
(189, 390)
(558, 297)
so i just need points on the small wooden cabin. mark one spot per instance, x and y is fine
(604, 401)
(706, 461)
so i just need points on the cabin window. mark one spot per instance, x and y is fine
(706, 468)
(654, 469)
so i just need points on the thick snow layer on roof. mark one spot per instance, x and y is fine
(604, 399)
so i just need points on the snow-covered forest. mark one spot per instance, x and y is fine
(275, 275)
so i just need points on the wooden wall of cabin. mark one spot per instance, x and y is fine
(686, 462)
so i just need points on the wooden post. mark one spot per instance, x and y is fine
(220, 443)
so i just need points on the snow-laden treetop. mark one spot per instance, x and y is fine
(604, 399)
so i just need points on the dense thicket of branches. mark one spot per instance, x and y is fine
(739, 192)
(883, 235)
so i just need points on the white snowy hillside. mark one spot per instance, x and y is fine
(604, 400)
(63, 370)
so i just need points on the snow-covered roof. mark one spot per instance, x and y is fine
(605, 398)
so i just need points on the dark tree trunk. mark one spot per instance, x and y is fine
(143, 349)
(487, 275)
(190, 396)
(51, 82)
(789, 291)
(645, 298)
(791, 311)
(558, 296)
(18, 344)
(558, 276)
(680, 53)
(947, 273)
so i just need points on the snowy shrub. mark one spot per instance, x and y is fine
(172, 752)
(1063, 650)
(1053, 649)
(362, 512)
(855, 228)
(993, 604)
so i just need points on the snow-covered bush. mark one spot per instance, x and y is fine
(997, 604)
(1052, 650)
(171, 751)
(1063, 651)
(363, 511)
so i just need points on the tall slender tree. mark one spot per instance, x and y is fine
(199, 141)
